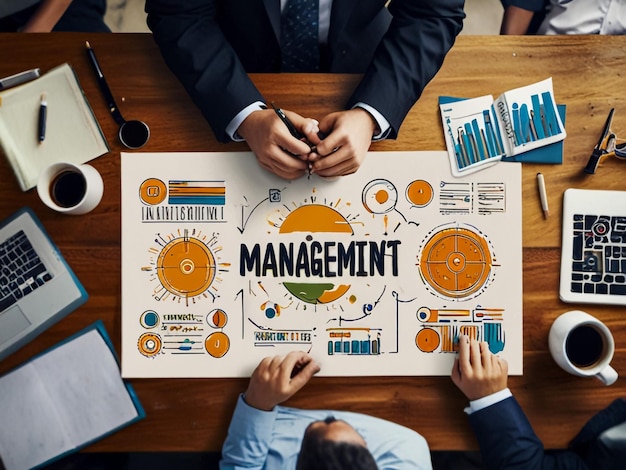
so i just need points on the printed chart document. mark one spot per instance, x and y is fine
(72, 131)
(63, 400)
(375, 273)
(481, 131)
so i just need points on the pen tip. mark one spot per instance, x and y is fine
(87, 44)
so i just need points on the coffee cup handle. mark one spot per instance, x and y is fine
(607, 376)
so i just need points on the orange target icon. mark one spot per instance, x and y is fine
(186, 267)
(456, 262)
(149, 344)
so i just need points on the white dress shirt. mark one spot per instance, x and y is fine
(585, 17)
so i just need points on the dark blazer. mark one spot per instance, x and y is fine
(507, 440)
(211, 45)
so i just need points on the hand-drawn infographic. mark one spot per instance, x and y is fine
(375, 273)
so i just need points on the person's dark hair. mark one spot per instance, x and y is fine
(317, 453)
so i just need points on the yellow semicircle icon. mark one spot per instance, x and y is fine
(315, 218)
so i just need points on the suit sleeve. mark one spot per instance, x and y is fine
(194, 48)
(507, 441)
(410, 54)
(530, 5)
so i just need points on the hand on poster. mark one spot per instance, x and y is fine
(278, 378)
(476, 371)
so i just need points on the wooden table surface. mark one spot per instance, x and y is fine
(193, 414)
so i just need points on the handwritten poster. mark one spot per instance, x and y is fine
(376, 273)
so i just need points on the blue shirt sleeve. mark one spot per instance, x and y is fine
(249, 436)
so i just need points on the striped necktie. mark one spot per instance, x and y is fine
(299, 36)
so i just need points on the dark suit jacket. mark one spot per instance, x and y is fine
(211, 45)
(507, 440)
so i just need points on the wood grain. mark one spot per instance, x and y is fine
(193, 415)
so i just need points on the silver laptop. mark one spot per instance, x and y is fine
(37, 287)
(593, 253)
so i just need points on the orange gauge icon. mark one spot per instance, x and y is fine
(456, 262)
(186, 267)
(427, 340)
(217, 344)
(153, 191)
(149, 344)
(419, 193)
(217, 318)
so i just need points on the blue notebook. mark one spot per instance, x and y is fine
(64, 399)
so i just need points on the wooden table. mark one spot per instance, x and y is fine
(193, 415)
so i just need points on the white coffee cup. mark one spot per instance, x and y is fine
(70, 189)
(582, 345)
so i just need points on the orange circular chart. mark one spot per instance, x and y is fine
(217, 344)
(149, 344)
(427, 340)
(419, 193)
(186, 267)
(456, 262)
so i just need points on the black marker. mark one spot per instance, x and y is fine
(283, 117)
(43, 111)
(292, 129)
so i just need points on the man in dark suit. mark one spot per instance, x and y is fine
(505, 436)
(399, 45)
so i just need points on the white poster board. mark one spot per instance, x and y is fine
(375, 273)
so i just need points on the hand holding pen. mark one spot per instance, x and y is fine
(276, 149)
(292, 129)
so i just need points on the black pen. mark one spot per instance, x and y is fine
(292, 129)
(43, 111)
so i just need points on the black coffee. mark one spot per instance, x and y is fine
(584, 346)
(68, 188)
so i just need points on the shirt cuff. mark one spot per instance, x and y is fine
(382, 123)
(234, 124)
(484, 402)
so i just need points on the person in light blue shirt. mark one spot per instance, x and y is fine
(263, 435)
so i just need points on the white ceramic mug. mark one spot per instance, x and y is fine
(70, 189)
(582, 345)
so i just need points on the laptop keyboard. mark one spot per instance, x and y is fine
(599, 254)
(21, 270)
